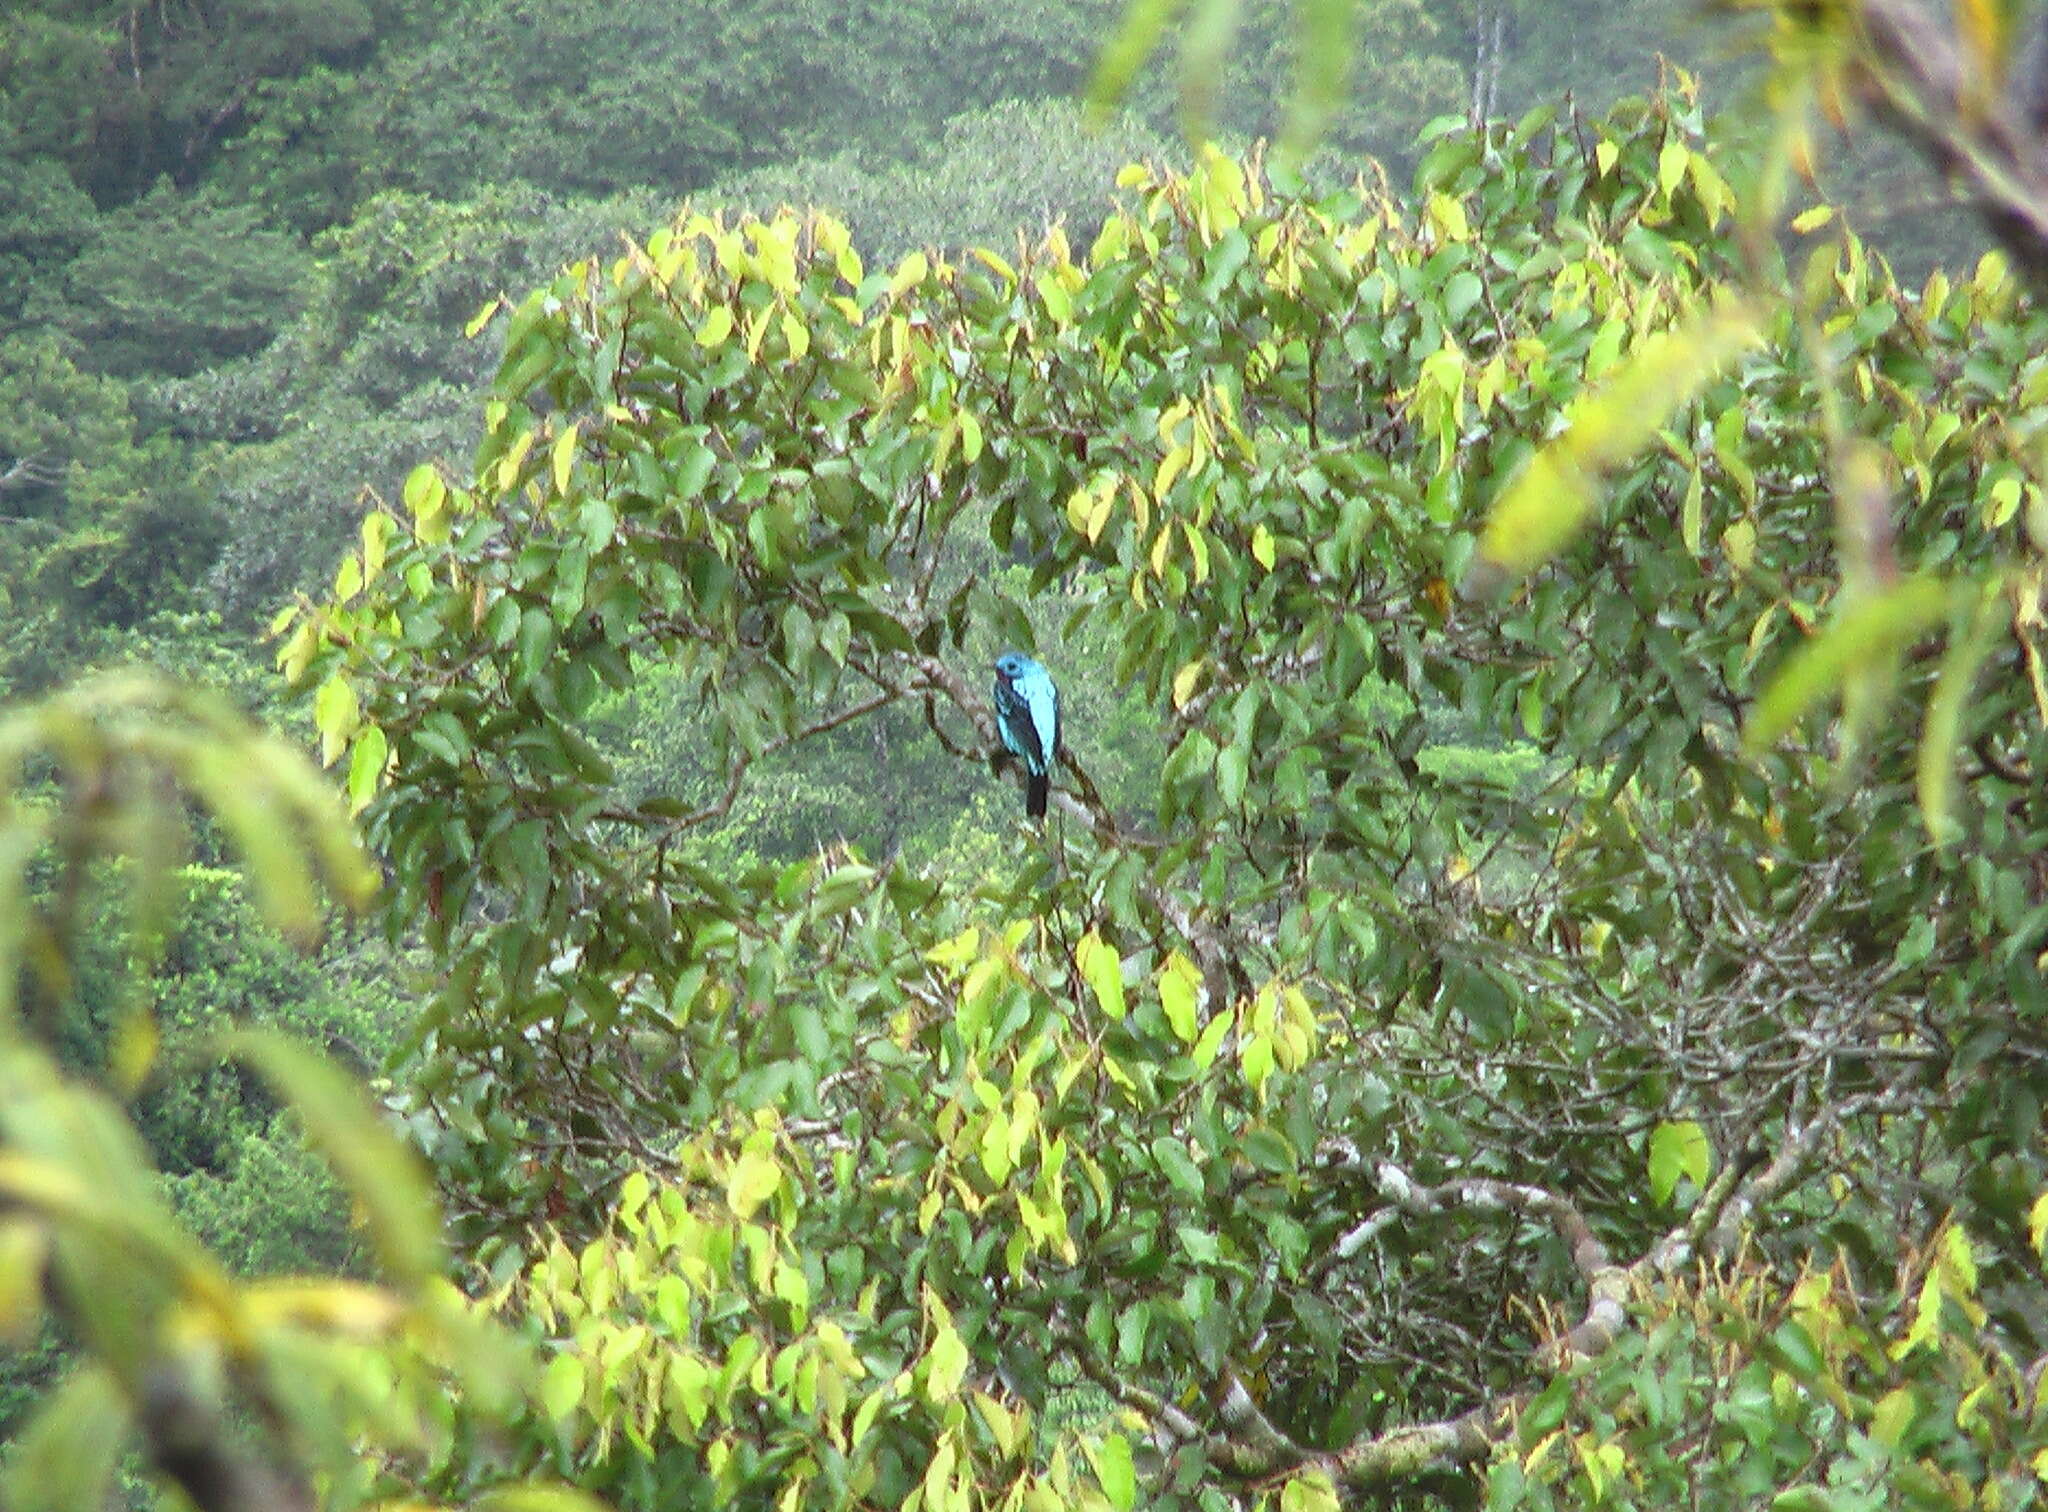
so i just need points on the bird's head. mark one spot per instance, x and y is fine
(1012, 665)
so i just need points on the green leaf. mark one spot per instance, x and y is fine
(1270, 1151)
(1916, 944)
(1202, 1247)
(536, 642)
(1233, 768)
(1172, 1156)
(1678, 1149)
(1803, 1499)
(382, 1175)
(1795, 1345)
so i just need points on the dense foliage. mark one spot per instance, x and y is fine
(1203, 1105)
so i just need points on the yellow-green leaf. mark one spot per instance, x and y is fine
(1103, 970)
(1309, 1493)
(335, 715)
(24, 1247)
(716, 327)
(561, 1386)
(1678, 1149)
(1671, 160)
(376, 536)
(1144, 22)
(529, 1496)
(1325, 32)
(563, 458)
(1115, 1470)
(945, 1365)
(754, 1179)
(911, 272)
(1893, 1415)
(366, 767)
(1871, 634)
(1059, 304)
(1179, 982)
(1554, 495)
(1689, 514)
(65, 1457)
(796, 336)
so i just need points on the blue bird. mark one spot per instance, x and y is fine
(1028, 720)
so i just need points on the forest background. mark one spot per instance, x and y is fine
(239, 245)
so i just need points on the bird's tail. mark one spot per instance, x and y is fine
(1035, 786)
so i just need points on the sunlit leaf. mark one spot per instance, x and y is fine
(366, 767)
(1313, 1492)
(945, 1365)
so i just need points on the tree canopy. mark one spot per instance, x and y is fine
(1530, 988)
(1453, 989)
